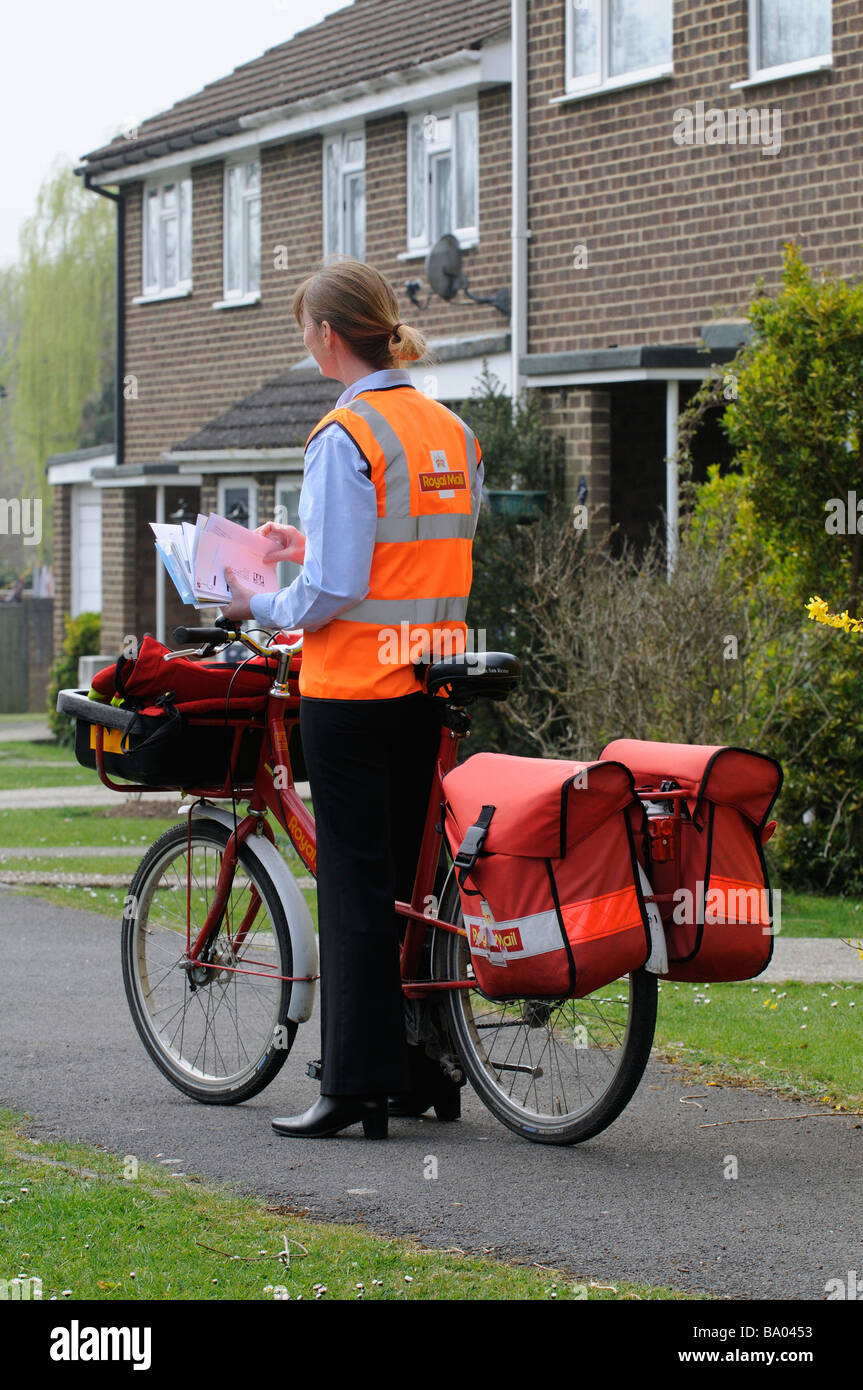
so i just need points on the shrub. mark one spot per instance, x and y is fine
(83, 636)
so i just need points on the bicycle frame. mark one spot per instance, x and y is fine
(283, 801)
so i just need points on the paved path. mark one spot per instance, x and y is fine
(93, 794)
(645, 1200)
(813, 959)
(30, 728)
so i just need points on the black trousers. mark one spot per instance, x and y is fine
(370, 765)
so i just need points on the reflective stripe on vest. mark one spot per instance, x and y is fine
(423, 461)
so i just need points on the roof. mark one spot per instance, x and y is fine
(363, 41)
(280, 415)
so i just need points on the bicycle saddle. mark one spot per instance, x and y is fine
(475, 675)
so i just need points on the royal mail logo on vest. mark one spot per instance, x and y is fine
(443, 480)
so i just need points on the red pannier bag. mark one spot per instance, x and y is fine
(195, 687)
(182, 717)
(719, 920)
(547, 869)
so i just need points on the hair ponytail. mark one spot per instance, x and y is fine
(361, 306)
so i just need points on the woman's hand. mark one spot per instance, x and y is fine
(239, 607)
(289, 543)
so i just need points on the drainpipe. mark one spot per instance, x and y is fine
(520, 233)
(160, 568)
(672, 411)
(119, 431)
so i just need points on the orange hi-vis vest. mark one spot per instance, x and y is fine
(422, 460)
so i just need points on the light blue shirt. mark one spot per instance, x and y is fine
(338, 514)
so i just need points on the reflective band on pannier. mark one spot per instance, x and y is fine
(545, 856)
(718, 909)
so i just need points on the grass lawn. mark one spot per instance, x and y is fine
(39, 764)
(84, 1223)
(810, 915)
(82, 826)
(801, 1038)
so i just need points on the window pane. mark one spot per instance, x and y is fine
(169, 232)
(169, 196)
(253, 175)
(442, 132)
(585, 38)
(466, 136)
(331, 196)
(356, 216)
(233, 230)
(354, 151)
(186, 229)
(253, 243)
(640, 35)
(152, 268)
(442, 194)
(418, 175)
(792, 30)
(237, 497)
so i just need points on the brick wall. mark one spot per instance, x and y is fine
(191, 361)
(129, 564)
(581, 415)
(673, 231)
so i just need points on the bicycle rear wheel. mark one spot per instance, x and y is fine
(218, 1030)
(556, 1071)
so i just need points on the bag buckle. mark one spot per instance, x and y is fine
(473, 841)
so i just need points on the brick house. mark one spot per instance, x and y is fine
(653, 208)
(628, 168)
(372, 133)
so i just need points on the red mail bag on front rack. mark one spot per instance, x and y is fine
(548, 874)
(718, 907)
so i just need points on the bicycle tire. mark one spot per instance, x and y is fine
(600, 1046)
(219, 1036)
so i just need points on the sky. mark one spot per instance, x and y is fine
(75, 72)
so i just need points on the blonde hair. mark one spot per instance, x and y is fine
(361, 306)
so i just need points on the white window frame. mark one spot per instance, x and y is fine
(467, 235)
(758, 74)
(245, 293)
(181, 179)
(348, 170)
(601, 81)
(242, 481)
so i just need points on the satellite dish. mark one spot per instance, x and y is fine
(443, 267)
(446, 277)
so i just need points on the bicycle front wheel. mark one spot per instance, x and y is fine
(218, 1029)
(556, 1071)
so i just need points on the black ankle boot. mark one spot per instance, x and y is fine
(429, 1087)
(330, 1114)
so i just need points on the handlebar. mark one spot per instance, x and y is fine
(222, 634)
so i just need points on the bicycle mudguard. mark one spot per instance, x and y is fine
(303, 941)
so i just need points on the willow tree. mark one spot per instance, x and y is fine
(61, 301)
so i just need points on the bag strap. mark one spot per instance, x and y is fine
(471, 846)
(174, 722)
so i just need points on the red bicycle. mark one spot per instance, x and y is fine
(220, 955)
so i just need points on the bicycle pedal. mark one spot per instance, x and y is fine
(314, 1069)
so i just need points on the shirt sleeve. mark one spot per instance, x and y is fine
(338, 514)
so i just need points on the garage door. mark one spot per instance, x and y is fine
(86, 549)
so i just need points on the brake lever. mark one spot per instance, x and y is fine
(205, 650)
